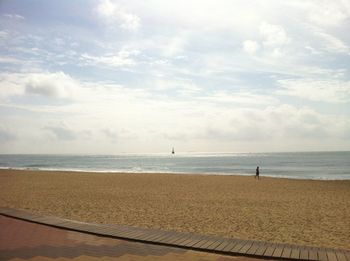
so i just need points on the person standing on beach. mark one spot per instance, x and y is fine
(257, 172)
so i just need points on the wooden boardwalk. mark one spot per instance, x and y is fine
(220, 245)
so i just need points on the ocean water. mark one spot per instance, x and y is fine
(299, 165)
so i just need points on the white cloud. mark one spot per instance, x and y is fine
(245, 98)
(322, 13)
(333, 43)
(57, 85)
(14, 16)
(273, 40)
(122, 58)
(11, 84)
(273, 35)
(181, 86)
(7, 59)
(62, 132)
(334, 91)
(6, 135)
(3, 35)
(113, 13)
(175, 46)
(192, 84)
(329, 12)
(53, 85)
(251, 47)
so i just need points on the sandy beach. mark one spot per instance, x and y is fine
(308, 212)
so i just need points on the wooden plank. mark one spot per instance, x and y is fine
(161, 236)
(223, 244)
(313, 253)
(137, 234)
(253, 248)
(215, 244)
(101, 229)
(331, 255)
(261, 250)
(124, 233)
(143, 234)
(115, 232)
(182, 239)
(278, 250)
(322, 255)
(269, 250)
(175, 238)
(287, 251)
(231, 245)
(5, 211)
(42, 219)
(304, 253)
(208, 243)
(170, 238)
(340, 255)
(295, 254)
(246, 247)
(238, 246)
(194, 239)
(201, 242)
(56, 221)
(165, 238)
(151, 235)
(129, 234)
(347, 254)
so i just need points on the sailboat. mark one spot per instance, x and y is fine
(173, 151)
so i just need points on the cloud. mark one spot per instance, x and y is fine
(333, 44)
(251, 47)
(113, 13)
(6, 135)
(46, 84)
(336, 11)
(11, 84)
(3, 35)
(9, 60)
(175, 46)
(111, 134)
(273, 40)
(332, 91)
(250, 132)
(184, 76)
(273, 35)
(315, 11)
(62, 132)
(240, 97)
(121, 59)
(56, 85)
(271, 127)
(181, 86)
(14, 16)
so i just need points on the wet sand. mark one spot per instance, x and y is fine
(308, 212)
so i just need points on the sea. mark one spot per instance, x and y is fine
(295, 165)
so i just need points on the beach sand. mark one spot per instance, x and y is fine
(308, 212)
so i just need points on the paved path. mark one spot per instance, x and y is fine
(22, 240)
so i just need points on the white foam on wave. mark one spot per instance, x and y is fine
(138, 170)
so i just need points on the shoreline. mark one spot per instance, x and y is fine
(308, 212)
(170, 173)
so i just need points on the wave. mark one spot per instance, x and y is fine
(142, 171)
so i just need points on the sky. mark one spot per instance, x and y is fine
(129, 76)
